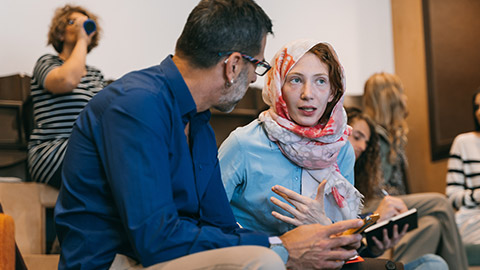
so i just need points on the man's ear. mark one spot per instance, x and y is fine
(233, 66)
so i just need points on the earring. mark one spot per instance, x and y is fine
(228, 84)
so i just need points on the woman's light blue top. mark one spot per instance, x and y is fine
(251, 165)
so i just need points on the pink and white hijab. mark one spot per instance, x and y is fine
(315, 149)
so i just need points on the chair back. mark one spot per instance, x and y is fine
(16, 123)
(26, 203)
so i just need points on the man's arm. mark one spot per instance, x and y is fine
(137, 165)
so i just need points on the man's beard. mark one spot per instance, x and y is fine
(233, 94)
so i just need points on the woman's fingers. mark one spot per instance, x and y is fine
(286, 219)
(378, 244)
(286, 207)
(404, 231)
(290, 195)
(321, 191)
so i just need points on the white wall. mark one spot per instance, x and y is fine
(141, 33)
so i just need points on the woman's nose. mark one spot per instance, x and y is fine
(306, 92)
(363, 146)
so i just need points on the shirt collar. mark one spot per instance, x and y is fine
(179, 89)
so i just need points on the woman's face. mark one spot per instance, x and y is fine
(360, 136)
(74, 21)
(307, 90)
(477, 105)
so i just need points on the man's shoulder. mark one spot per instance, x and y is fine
(146, 78)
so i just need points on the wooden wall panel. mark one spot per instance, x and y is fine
(452, 45)
(409, 48)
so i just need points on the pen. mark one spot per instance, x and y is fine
(385, 193)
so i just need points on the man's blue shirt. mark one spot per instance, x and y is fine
(133, 185)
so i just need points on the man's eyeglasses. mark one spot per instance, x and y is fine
(261, 67)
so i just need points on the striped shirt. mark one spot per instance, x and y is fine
(54, 116)
(463, 175)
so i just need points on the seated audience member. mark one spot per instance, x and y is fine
(364, 140)
(384, 102)
(141, 179)
(463, 179)
(61, 86)
(303, 136)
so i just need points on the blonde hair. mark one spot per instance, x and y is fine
(385, 102)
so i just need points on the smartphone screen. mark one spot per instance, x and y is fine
(367, 222)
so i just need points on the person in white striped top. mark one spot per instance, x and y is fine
(463, 179)
(61, 86)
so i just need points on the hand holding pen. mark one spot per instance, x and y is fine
(390, 206)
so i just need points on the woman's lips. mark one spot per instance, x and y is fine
(307, 111)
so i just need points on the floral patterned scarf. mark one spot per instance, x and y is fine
(316, 148)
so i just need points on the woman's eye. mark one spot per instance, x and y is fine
(321, 81)
(295, 80)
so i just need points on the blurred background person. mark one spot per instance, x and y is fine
(384, 102)
(463, 179)
(61, 86)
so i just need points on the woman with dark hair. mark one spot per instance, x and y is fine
(368, 179)
(61, 86)
(463, 179)
(364, 140)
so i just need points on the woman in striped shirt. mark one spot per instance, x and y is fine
(61, 86)
(463, 179)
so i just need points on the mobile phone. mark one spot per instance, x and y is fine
(367, 222)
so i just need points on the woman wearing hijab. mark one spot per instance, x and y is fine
(296, 149)
(295, 143)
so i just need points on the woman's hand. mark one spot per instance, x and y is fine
(305, 210)
(380, 247)
(80, 30)
(65, 78)
(390, 207)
